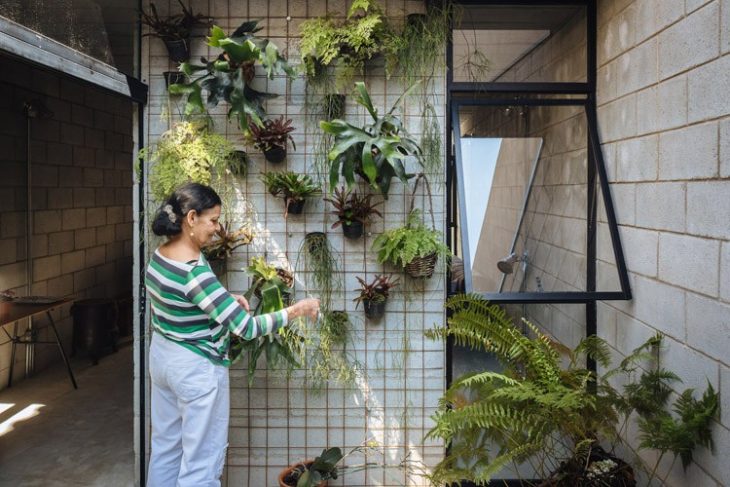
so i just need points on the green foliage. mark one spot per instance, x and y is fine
(175, 27)
(225, 242)
(352, 207)
(537, 407)
(290, 186)
(376, 152)
(187, 153)
(282, 348)
(319, 264)
(346, 47)
(274, 133)
(400, 246)
(329, 361)
(228, 77)
(323, 468)
(378, 290)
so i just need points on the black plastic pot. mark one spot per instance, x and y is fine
(354, 230)
(174, 77)
(275, 154)
(334, 106)
(374, 310)
(295, 207)
(218, 266)
(178, 49)
(416, 20)
(95, 327)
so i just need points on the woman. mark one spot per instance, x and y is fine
(193, 317)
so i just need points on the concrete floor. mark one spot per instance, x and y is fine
(79, 437)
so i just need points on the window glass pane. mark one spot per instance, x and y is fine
(507, 43)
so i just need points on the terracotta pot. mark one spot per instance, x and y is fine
(291, 467)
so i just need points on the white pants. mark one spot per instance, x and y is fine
(189, 413)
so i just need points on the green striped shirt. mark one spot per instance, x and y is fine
(192, 308)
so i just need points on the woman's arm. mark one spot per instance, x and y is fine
(205, 290)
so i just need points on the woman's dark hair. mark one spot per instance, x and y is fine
(191, 196)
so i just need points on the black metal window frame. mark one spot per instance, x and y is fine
(523, 93)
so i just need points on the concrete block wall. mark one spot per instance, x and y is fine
(664, 118)
(664, 115)
(278, 421)
(81, 197)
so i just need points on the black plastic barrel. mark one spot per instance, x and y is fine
(95, 327)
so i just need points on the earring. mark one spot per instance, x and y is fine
(192, 234)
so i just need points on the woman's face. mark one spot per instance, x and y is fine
(205, 224)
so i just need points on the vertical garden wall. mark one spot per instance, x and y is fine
(379, 382)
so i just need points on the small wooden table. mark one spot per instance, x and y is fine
(17, 312)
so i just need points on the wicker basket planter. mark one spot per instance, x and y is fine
(422, 266)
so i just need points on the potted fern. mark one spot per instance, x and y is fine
(228, 77)
(292, 187)
(272, 137)
(374, 295)
(329, 47)
(188, 152)
(353, 211)
(377, 151)
(413, 247)
(174, 30)
(545, 407)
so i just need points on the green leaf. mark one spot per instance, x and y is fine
(363, 99)
(240, 52)
(216, 34)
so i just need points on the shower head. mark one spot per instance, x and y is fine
(506, 264)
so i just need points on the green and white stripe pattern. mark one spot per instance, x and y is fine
(192, 308)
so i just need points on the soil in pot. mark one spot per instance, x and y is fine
(353, 230)
(288, 479)
(178, 49)
(275, 154)
(374, 309)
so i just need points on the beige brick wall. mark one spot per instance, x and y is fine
(664, 113)
(82, 179)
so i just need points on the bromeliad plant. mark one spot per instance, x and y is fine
(272, 138)
(292, 187)
(225, 242)
(264, 274)
(377, 152)
(353, 211)
(228, 77)
(375, 295)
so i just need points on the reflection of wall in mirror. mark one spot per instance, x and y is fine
(511, 177)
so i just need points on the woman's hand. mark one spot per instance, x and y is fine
(306, 307)
(242, 301)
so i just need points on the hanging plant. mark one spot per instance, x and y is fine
(228, 77)
(319, 266)
(174, 30)
(292, 187)
(376, 152)
(341, 49)
(374, 295)
(222, 246)
(188, 152)
(263, 274)
(353, 211)
(272, 138)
